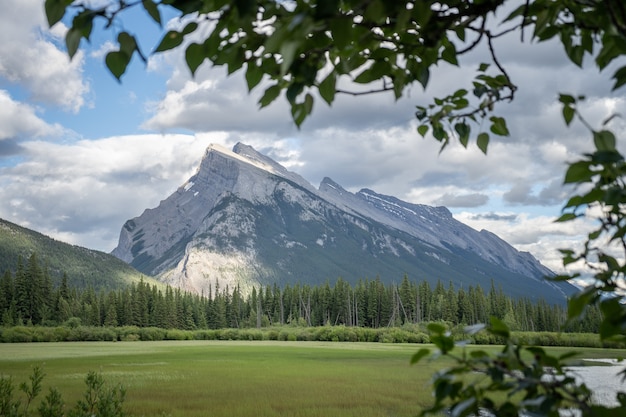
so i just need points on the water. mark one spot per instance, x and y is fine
(603, 381)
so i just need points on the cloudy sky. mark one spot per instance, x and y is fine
(81, 153)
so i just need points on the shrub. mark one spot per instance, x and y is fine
(272, 334)
(73, 322)
(205, 335)
(229, 334)
(17, 334)
(174, 334)
(151, 333)
(283, 335)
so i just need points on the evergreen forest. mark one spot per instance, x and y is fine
(29, 297)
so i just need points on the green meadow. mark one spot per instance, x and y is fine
(240, 378)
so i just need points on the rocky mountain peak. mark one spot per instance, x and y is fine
(245, 220)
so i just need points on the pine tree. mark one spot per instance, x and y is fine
(6, 291)
(7, 299)
(425, 301)
(110, 310)
(408, 299)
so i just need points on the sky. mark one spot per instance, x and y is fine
(81, 153)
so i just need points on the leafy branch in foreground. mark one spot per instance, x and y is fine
(332, 47)
(516, 381)
(307, 47)
(533, 382)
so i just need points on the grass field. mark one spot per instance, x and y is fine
(210, 378)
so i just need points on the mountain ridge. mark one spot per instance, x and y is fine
(244, 220)
(84, 267)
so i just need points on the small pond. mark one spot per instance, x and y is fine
(603, 380)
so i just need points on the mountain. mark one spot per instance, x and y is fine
(84, 267)
(243, 219)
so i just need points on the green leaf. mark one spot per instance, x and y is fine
(327, 88)
(577, 304)
(422, 130)
(152, 9)
(234, 59)
(463, 130)
(444, 342)
(449, 54)
(341, 30)
(567, 99)
(419, 355)
(288, 51)
(116, 62)
(604, 140)
(620, 78)
(326, 8)
(174, 38)
(566, 217)
(194, 55)
(271, 93)
(72, 41)
(254, 75)
(422, 75)
(568, 114)
(300, 111)
(578, 172)
(276, 39)
(498, 328)
(127, 42)
(55, 10)
(462, 408)
(498, 126)
(375, 11)
(293, 91)
(483, 67)
(436, 328)
(482, 141)
(375, 72)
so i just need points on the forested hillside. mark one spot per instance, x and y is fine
(84, 268)
(29, 297)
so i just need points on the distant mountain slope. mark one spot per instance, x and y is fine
(84, 267)
(245, 220)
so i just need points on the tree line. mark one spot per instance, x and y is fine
(28, 296)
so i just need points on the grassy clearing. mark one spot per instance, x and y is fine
(236, 378)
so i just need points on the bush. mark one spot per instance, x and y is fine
(174, 334)
(229, 334)
(272, 334)
(151, 333)
(17, 334)
(73, 322)
(342, 334)
(92, 334)
(205, 335)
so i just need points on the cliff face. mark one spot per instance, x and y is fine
(245, 220)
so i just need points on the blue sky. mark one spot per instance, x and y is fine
(81, 153)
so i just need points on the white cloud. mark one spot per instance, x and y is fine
(84, 192)
(18, 120)
(104, 49)
(33, 59)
